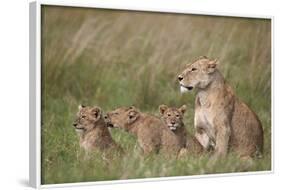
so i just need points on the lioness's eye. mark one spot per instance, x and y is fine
(193, 69)
(116, 113)
(177, 115)
(169, 114)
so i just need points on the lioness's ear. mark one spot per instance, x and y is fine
(203, 57)
(182, 109)
(96, 111)
(162, 109)
(81, 106)
(212, 65)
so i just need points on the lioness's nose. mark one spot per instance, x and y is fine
(180, 78)
(173, 122)
(74, 124)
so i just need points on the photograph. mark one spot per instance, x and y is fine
(131, 94)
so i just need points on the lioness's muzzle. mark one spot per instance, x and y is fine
(186, 87)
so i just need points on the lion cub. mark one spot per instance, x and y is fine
(152, 134)
(94, 134)
(173, 119)
(221, 119)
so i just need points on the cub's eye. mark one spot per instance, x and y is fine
(83, 116)
(169, 115)
(177, 115)
(115, 113)
(193, 69)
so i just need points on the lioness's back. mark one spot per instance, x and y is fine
(247, 135)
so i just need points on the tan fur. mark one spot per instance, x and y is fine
(93, 132)
(151, 132)
(173, 119)
(221, 119)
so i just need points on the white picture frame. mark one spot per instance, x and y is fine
(35, 91)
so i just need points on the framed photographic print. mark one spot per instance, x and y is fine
(122, 95)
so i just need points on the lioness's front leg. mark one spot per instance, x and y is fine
(203, 139)
(222, 127)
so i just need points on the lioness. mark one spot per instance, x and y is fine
(173, 118)
(152, 134)
(94, 134)
(221, 119)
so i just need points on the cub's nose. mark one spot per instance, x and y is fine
(173, 122)
(106, 116)
(74, 124)
(180, 78)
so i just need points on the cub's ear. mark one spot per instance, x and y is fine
(132, 116)
(132, 108)
(212, 65)
(96, 111)
(162, 108)
(81, 106)
(182, 109)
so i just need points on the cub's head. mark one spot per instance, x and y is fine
(122, 117)
(198, 74)
(87, 118)
(172, 117)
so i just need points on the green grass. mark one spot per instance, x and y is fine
(113, 58)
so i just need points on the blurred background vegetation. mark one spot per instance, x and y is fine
(113, 58)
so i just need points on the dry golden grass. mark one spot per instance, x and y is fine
(112, 58)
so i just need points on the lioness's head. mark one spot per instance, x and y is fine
(122, 117)
(198, 74)
(172, 117)
(87, 118)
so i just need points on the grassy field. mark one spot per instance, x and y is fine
(116, 58)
